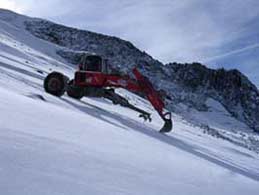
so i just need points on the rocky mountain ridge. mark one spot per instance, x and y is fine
(230, 87)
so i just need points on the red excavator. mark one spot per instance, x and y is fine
(94, 78)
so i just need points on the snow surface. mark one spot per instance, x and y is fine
(53, 145)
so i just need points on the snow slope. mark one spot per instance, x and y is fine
(53, 145)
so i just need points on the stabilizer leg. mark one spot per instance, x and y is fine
(118, 99)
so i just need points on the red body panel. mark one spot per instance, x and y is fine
(98, 79)
(152, 95)
(87, 78)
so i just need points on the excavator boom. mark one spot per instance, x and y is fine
(154, 98)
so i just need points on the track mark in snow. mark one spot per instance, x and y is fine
(22, 71)
(25, 64)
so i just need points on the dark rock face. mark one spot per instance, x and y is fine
(121, 53)
(231, 88)
(190, 84)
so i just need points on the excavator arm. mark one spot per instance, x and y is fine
(142, 84)
(139, 84)
(155, 99)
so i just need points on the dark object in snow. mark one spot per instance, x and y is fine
(37, 96)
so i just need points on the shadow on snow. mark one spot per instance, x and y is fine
(167, 139)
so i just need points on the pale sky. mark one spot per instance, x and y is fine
(170, 30)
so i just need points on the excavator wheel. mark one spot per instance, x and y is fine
(74, 91)
(55, 84)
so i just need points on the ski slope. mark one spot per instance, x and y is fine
(51, 145)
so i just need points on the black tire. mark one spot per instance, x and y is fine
(74, 91)
(55, 84)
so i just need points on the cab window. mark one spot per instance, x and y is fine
(93, 63)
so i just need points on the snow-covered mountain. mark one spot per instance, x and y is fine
(231, 88)
(53, 145)
(242, 104)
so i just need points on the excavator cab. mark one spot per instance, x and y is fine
(93, 63)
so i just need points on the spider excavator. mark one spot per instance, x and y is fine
(94, 78)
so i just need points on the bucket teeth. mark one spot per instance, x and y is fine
(167, 126)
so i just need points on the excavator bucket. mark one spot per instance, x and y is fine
(154, 97)
(168, 125)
